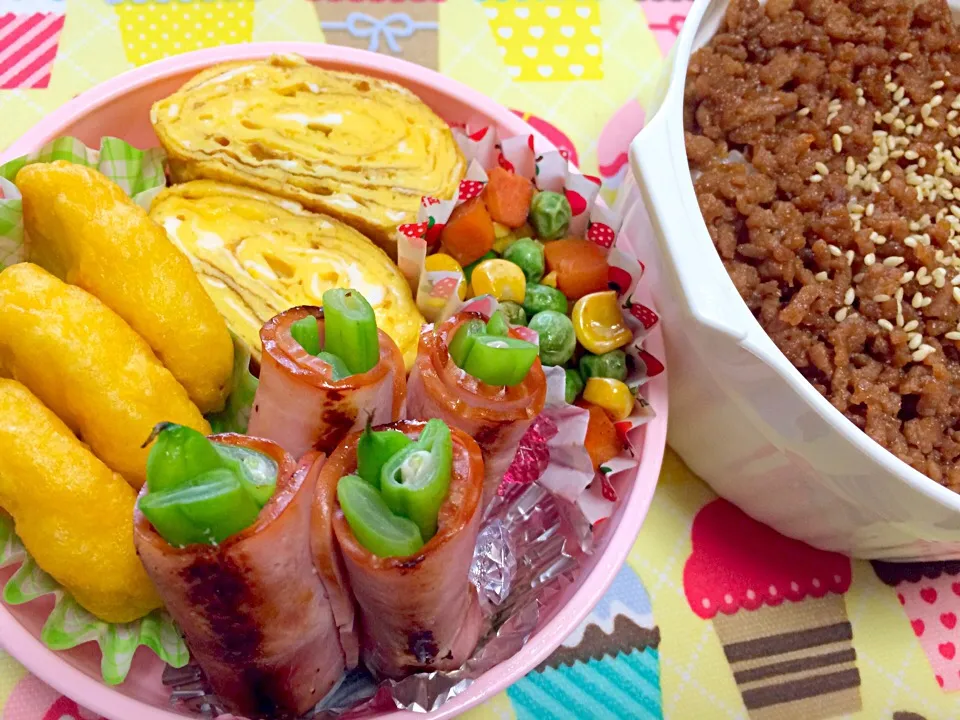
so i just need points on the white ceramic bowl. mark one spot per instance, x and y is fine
(742, 416)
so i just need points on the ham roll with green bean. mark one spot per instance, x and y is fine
(482, 377)
(325, 372)
(395, 522)
(222, 527)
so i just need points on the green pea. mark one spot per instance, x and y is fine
(557, 339)
(468, 269)
(528, 255)
(550, 215)
(574, 386)
(612, 364)
(543, 297)
(515, 313)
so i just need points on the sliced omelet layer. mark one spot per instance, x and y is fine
(358, 148)
(258, 255)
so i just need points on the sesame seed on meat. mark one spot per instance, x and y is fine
(838, 216)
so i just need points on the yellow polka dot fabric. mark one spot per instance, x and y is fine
(155, 30)
(548, 40)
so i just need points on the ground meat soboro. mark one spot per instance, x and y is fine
(824, 142)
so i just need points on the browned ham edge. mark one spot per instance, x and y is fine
(495, 416)
(418, 613)
(252, 610)
(301, 407)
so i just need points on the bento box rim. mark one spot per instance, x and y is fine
(111, 703)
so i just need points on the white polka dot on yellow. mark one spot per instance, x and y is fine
(542, 41)
(153, 30)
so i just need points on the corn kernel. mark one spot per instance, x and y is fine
(598, 322)
(500, 278)
(612, 395)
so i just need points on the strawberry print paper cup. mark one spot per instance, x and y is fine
(594, 493)
(777, 607)
(930, 595)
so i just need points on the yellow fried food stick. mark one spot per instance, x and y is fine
(74, 516)
(88, 366)
(84, 229)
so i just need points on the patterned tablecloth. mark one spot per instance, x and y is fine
(714, 615)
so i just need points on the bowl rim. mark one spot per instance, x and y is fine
(668, 117)
(111, 703)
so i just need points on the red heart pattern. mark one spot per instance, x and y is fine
(934, 620)
(578, 203)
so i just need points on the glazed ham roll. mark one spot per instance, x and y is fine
(495, 416)
(301, 407)
(417, 613)
(252, 609)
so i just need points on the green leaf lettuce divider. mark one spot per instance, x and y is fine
(139, 173)
(69, 625)
(236, 414)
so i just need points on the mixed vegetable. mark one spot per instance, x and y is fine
(202, 491)
(351, 345)
(512, 242)
(392, 503)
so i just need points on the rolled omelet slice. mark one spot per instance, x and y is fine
(258, 255)
(88, 366)
(359, 148)
(74, 516)
(85, 229)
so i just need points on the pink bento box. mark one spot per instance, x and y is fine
(120, 108)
